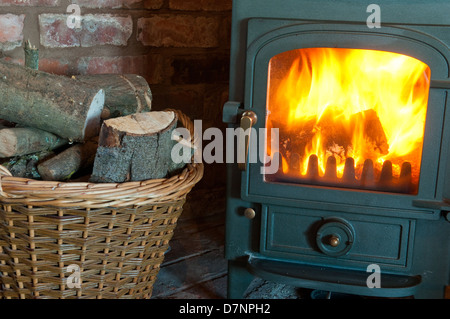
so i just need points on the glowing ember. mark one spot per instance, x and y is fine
(348, 103)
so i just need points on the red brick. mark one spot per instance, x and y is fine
(14, 60)
(200, 69)
(148, 66)
(189, 100)
(29, 3)
(153, 4)
(11, 31)
(114, 4)
(55, 66)
(205, 5)
(178, 31)
(97, 29)
(225, 32)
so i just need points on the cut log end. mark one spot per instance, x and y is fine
(92, 123)
(134, 147)
(125, 94)
(138, 124)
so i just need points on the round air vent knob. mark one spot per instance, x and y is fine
(334, 241)
(335, 237)
(249, 213)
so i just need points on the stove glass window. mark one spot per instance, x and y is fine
(349, 118)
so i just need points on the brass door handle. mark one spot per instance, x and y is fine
(248, 119)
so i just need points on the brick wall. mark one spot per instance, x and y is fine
(181, 47)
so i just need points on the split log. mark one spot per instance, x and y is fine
(26, 165)
(125, 94)
(134, 147)
(72, 160)
(58, 104)
(18, 141)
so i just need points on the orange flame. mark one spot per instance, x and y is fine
(363, 104)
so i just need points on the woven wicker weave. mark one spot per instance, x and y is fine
(116, 234)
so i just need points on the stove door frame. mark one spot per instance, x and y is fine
(268, 37)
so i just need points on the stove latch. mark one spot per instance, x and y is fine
(248, 119)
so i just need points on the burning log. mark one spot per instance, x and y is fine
(134, 147)
(337, 136)
(374, 136)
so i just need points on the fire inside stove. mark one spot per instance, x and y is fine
(348, 118)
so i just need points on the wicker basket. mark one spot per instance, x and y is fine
(114, 234)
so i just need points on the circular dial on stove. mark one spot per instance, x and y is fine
(335, 237)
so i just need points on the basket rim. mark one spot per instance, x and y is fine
(19, 190)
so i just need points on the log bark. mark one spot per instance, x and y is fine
(26, 165)
(134, 147)
(125, 94)
(72, 160)
(19, 141)
(58, 104)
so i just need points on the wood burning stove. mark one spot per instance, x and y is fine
(363, 168)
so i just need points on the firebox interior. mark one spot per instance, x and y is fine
(351, 118)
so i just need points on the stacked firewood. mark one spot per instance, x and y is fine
(97, 128)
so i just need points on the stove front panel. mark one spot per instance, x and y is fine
(336, 238)
(339, 231)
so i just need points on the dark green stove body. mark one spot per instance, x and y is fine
(276, 230)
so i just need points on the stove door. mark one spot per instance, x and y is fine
(355, 110)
